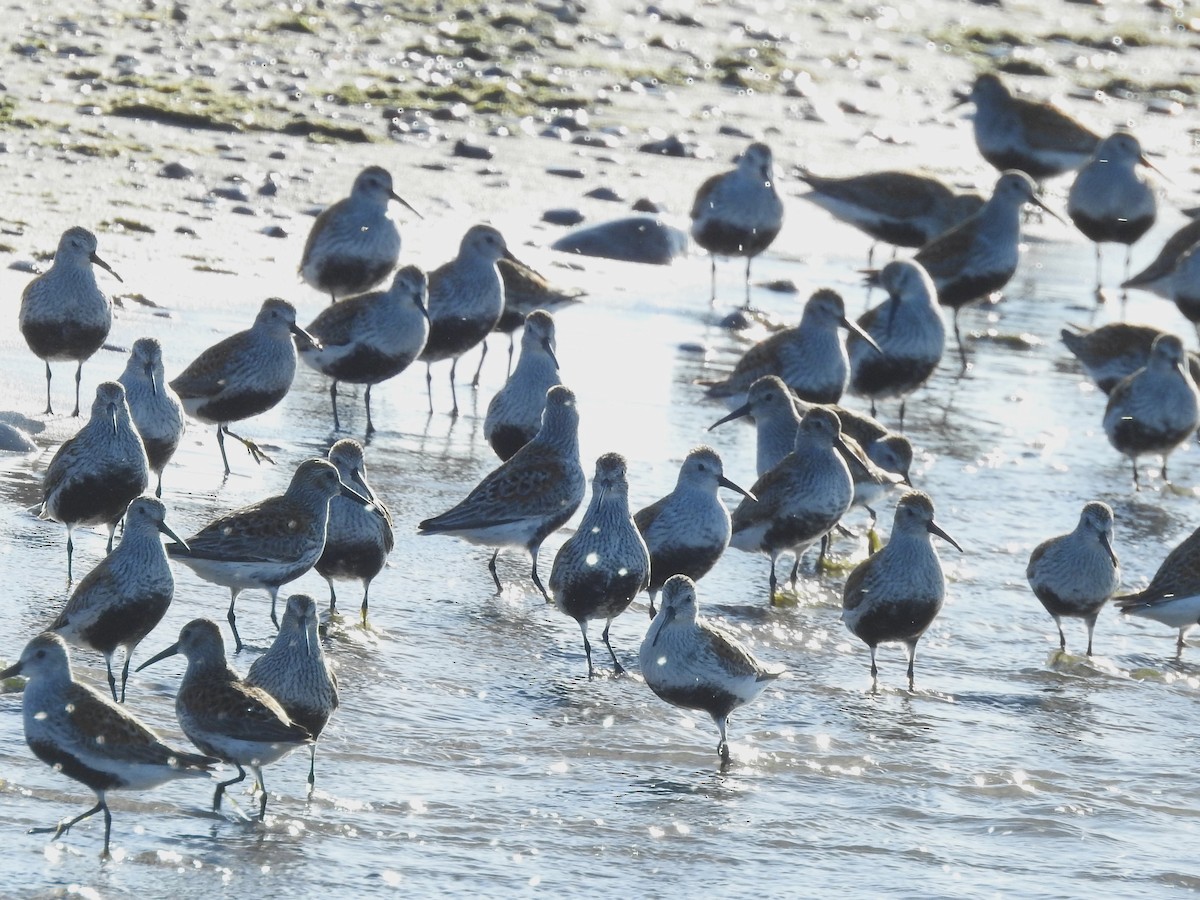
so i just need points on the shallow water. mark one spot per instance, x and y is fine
(472, 754)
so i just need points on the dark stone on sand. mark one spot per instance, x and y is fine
(734, 131)
(275, 231)
(27, 266)
(574, 120)
(565, 172)
(14, 440)
(242, 210)
(176, 170)
(672, 145)
(641, 239)
(596, 139)
(735, 321)
(560, 216)
(468, 150)
(455, 112)
(781, 286)
(646, 205)
(270, 185)
(605, 193)
(237, 193)
(555, 134)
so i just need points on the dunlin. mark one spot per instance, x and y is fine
(693, 663)
(514, 414)
(85, 736)
(245, 374)
(909, 337)
(687, 530)
(223, 715)
(1113, 351)
(526, 289)
(1157, 277)
(154, 406)
(809, 358)
(269, 543)
(800, 499)
(1185, 285)
(1173, 595)
(354, 244)
(532, 494)
(1074, 574)
(605, 564)
(93, 476)
(369, 339)
(64, 314)
(295, 672)
(1032, 136)
(358, 538)
(738, 213)
(894, 595)
(1110, 201)
(466, 298)
(1155, 409)
(121, 601)
(980, 255)
(904, 209)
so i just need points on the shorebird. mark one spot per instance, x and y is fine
(894, 595)
(153, 405)
(121, 601)
(1185, 285)
(526, 289)
(909, 337)
(687, 530)
(1173, 595)
(514, 414)
(371, 338)
(1110, 200)
(738, 212)
(1157, 277)
(295, 672)
(243, 375)
(223, 715)
(94, 475)
(980, 255)
(693, 663)
(1155, 409)
(358, 538)
(809, 358)
(1033, 136)
(527, 497)
(800, 499)
(64, 314)
(1113, 351)
(269, 543)
(904, 209)
(1074, 574)
(82, 734)
(354, 244)
(605, 564)
(466, 299)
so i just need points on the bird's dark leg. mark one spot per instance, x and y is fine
(337, 425)
(1062, 638)
(224, 784)
(587, 647)
(453, 392)
(618, 669)
(312, 767)
(256, 452)
(332, 598)
(495, 577)
(748, 259)
(911, 647)
(653, 611)
(712, 263)
(78, 378)
(49, 408)
(370, 424)
(1091, 627)
(479, 368)
(232, 617)
(723, 744)
(158, 490)
(512, 344)
(962, 350)
(64, 826)
(262, 799)
(429, 385)
(70, 553)
(874, 668)
(274, 598)
(112, 682)
(902, 402)
(534, 553)
(221, 447)
(366, 592)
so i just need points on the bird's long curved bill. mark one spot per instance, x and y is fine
(739, 413)
(160, 656)
(11, 672)
(855, 328)
(667, 613)
(726, 483)
(301, 333)
(407, 205)
(166, 529)
(350, 492)
(153, 380)
(1042, 206)
(1107, 545)
(934, 528)
(112, 412)
(96, 260)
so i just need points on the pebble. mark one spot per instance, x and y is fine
(468, 150)
(176, 170)
(562, 216)
(565, 172)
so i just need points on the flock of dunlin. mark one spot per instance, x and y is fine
(815, 459)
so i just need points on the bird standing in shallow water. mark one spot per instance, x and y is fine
(154, 406)
(738, 213)
(687, 530)
(605, 564)
(124, 598)
(527, 497)
(358, 538)
(94, 475)
(896, 594)
(1155, 409)
(371, 338)
(514, 414)
(1110, 200)
(354, 244)
(64, 314)
(295, 672)
(1074, 574)
(87, 737)
(245, 374)
(692, 663)
(269, 543)
(223, 715)
(1173, 595)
